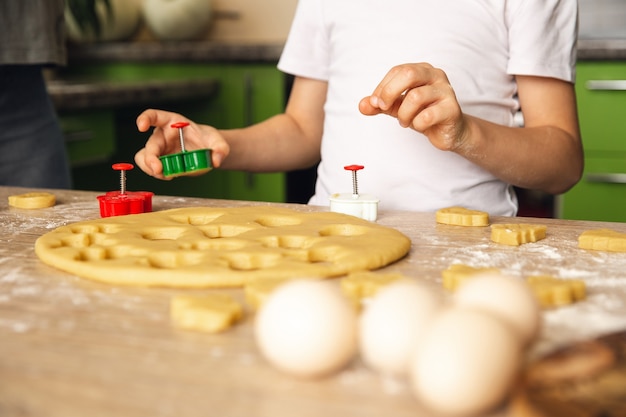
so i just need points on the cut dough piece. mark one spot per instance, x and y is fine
(517, 234)
(457, 274)
(460, 216)
(256, 292)
(209, 313)
(358, 286)
(603, 239)
(204, 247)
(555, 292)
(33, 200)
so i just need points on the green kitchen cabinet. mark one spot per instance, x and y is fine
(247, 93)
(89, 136)
(601, 95)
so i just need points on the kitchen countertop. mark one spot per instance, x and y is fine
(189, 51)
(601, 49)
(71, 94)
(74, 347)
(77, 95)
(179, 51)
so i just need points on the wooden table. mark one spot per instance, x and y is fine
(73, 347)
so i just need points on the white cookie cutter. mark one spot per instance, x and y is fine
(364, 206)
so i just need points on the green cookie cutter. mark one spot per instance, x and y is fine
(186, 162)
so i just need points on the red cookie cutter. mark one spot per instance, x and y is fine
(122, 202)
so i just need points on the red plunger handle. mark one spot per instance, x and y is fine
(353, 167)
(123, 166)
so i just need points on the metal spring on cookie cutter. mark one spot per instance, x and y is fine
(355, 183)
(180, 126)
(123, 182)
(122, 168)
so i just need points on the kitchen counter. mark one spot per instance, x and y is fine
(69, 95)
(608, 49)
(180, 51)
(74, 347)
(601, 49)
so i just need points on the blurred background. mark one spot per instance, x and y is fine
(215, 61)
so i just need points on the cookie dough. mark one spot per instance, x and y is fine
(256, 292)
(35, 200)
(460, 216)
(457, 274)
(204, 247)
(603, 240)
(361, 285)
(209, 313)
(555, 292)
(517, 234)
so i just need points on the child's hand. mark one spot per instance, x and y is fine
(165, 140)
(421, 97)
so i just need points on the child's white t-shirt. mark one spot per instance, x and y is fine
(480, 44)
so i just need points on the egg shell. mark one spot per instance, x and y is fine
(508, 297)
(466, 364)
(392, 323)
(307, 328)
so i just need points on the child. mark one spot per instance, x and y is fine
(423, 94)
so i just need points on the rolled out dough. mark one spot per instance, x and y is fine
(207, 247)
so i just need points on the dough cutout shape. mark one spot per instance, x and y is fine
(34, 200)
(548, 290)
(602, 240)
(208, 313)
(460, 216)
(208, 247)
(257, 291)
(556, 292)
(359, 286)
(457, 274)
(517, 234)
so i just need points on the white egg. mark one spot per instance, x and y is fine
(392, 324)
(508, 297)
(307, 328)
(467, 363)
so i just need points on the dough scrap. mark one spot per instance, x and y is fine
(602, 240)
(34, 200)
(517, 234)
(548, 290)
(257, 291)
(361, 285)
(208, 247)
(209, 313)
(555, 292)
(457, 274)
(460, 216)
